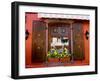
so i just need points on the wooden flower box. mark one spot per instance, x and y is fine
(53, 60)
(65, 59)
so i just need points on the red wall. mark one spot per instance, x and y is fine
(33, 16)
(29, 19)
(86, 42)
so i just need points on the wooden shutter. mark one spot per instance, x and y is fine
(39, 41)
(78, 42)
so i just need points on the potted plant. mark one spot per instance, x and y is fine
(52, 56)
(65, 56)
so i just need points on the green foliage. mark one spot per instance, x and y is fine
(52, 55)
(55, 54)
(49, 55)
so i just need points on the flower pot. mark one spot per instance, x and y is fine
(53, 60)
(65, 59)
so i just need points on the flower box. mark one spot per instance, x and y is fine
(65, 59)
(53, 60)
